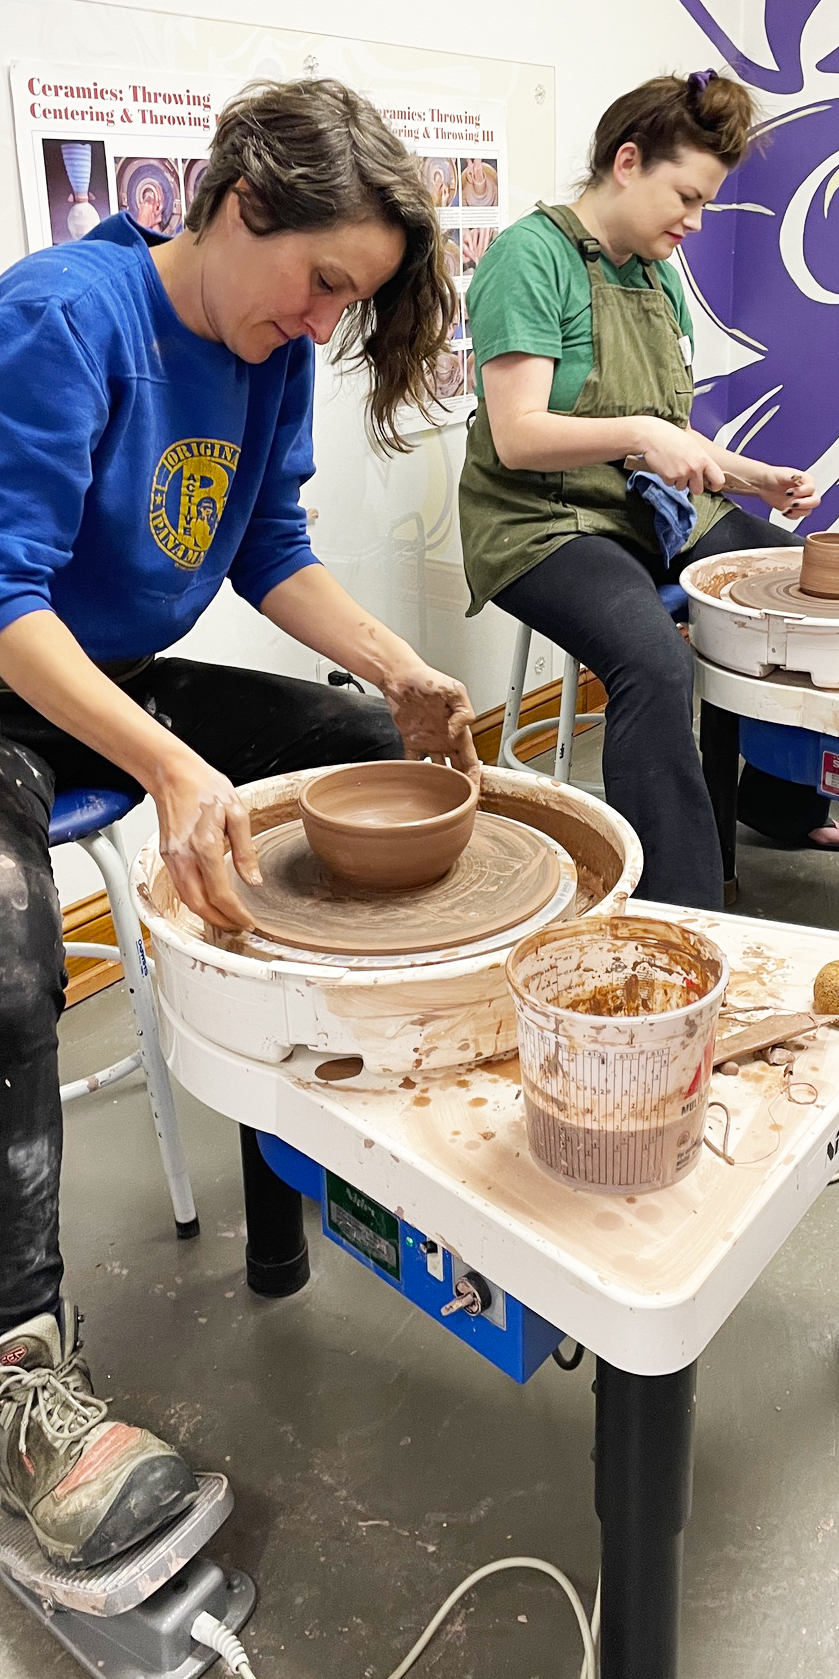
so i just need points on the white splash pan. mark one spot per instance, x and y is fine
(262, 1001)
(752, 640)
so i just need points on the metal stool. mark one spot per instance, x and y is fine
(671, 595)
(89, 817)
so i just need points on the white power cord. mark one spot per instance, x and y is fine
(589, 1634)
(207, 1630)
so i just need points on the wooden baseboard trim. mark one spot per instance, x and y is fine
(542, 703)
(89, 920)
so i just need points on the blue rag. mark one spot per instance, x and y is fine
(674, 514)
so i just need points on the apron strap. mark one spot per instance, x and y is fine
(585, 242)
(589, 248)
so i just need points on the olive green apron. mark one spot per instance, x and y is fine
(512, 519)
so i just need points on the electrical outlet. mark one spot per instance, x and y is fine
(323, 668)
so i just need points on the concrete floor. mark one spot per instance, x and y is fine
(376, 1461)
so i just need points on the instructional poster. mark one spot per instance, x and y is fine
(138, 141)
(88, 147)
(464, 162)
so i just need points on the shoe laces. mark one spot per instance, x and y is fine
(65, 1410)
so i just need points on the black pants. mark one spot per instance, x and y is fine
(246, 724)
(597, 599)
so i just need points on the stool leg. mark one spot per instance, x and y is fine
(514, 694)
(109, 859)
(567, 718)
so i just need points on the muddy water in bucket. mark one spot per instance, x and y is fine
(616, 1022)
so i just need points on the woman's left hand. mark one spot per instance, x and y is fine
(432, 713)
(789, 490)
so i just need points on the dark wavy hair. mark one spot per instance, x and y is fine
(314, 154)
(671, 112)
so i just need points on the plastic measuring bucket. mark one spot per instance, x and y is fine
(616, 1022)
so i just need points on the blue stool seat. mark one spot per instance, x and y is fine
(673, 596)
(85, 809)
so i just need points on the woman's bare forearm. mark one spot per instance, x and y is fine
(557, 442)
(530, 437)
(44, 664)
(313, 607)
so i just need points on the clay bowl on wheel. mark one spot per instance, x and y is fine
(389, 825)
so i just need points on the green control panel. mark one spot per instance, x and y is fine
(363, 1225)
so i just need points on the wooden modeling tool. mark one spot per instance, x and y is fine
(765, 1034)
(733, 481)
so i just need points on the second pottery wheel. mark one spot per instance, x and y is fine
(748, 613)
(505, 875)
(779, 590)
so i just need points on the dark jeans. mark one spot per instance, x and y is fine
(247, 724)
(597, 599)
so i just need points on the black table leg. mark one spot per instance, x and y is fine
(719, 743)
(643, 1482)
(277, 1254)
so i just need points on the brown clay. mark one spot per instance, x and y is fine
(273, 805)
(820, 565)
(826, 988)
(783, 591)
(391, 825)
(504, 875)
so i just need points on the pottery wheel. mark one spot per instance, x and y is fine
(779, 591)
(507, 873)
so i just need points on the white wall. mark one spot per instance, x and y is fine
(412, 578)
(599, 47)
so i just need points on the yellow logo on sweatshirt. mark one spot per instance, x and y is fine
(188, 495)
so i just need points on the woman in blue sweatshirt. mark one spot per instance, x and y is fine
(155, 430)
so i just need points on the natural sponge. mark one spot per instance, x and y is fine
(826, 989)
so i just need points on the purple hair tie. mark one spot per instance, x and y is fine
(698, 79)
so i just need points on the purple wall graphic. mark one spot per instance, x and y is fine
(784, 21)
(766, 264)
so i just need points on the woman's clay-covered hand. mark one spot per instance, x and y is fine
(200, 812)
(680, 458)
(432, 712)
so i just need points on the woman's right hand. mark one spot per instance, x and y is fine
(199, 811)
(679, 457)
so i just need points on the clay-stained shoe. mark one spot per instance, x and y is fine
(89, 1487)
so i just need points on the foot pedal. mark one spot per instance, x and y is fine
(131, 1618)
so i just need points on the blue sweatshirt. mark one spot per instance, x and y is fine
(140, 465)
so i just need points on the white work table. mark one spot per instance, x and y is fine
(644, 1282)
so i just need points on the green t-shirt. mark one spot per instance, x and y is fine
(531, 294)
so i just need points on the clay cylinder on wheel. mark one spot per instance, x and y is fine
(820, 565)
